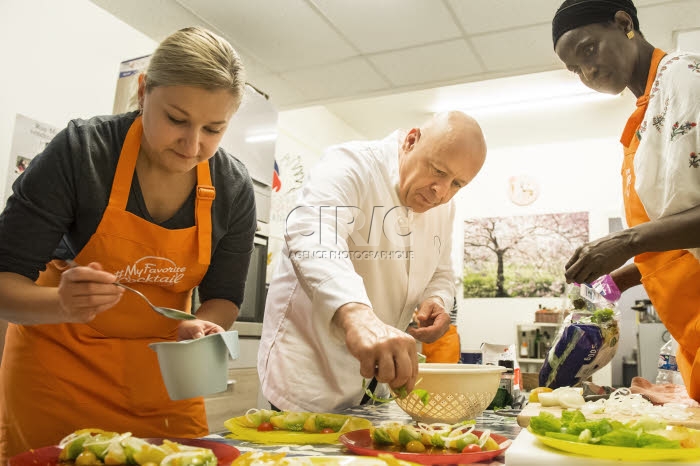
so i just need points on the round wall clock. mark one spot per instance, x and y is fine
(523, 190)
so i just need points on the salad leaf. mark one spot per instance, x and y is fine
(545, 422)
(572, 417)
(561, 436)
(647, 440)
(598, 428)
(623, 437)
(399, 393)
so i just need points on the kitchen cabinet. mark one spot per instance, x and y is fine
(533, 341)
(239, 397)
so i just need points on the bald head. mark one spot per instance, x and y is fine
(458, 132)
(438, 159)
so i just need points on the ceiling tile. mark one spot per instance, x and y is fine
(430, 63)
(155, 18)
(374, 26)
(282, 93)
(346, 79)
(523, 48)
(305, 52)
(252, 66)
(282, 35)
(502, 15)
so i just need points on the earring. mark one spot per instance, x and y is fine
(630, 34)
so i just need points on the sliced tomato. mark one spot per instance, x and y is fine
(265, 427)
(472, 448)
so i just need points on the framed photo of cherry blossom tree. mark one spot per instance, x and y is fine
(520, 256)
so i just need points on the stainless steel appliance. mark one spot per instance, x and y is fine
(250, 317)
(647, 313)
(651, 337)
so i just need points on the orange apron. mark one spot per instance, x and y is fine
(670, 278)
(444, 349)
(59, 378)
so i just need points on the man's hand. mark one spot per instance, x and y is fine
(432, 320)
(384, 352)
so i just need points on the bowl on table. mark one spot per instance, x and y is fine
(457, 392)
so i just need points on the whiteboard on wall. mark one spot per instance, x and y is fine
(688, 41)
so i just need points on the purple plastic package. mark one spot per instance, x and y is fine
(586, 341)
(606, 286)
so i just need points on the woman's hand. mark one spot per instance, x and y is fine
(198, 328)
(384, 352)
(432, 320)
(86, 291)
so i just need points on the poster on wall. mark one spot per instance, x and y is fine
(30, 137)
(287, 178)
(520, 256)
(126, 94)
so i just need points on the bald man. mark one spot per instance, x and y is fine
(368, 243)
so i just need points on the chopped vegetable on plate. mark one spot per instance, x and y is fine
(95, 446)
(267, 426)
(645, 438)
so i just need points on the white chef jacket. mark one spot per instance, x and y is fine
(348, 240)
(667, 162)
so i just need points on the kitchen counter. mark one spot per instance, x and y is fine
(498, 424)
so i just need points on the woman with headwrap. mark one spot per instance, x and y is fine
(600, 41)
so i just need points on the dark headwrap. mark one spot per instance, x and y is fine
(576, 13)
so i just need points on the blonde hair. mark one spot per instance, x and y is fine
(196, 57)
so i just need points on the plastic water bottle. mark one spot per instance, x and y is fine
(668, 369)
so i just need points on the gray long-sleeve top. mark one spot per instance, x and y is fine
(60, 198)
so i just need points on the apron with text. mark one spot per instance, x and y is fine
(670, 278)
(58, 378)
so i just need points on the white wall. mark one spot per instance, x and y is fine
(309, 131)
(60, 61)
(303, 136)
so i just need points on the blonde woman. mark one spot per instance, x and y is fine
(149, 199)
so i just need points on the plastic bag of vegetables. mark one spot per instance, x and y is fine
(586, 341)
